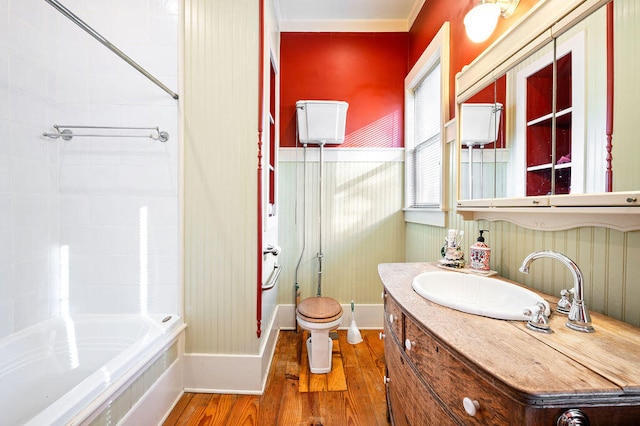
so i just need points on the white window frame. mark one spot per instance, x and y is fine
(437, 51)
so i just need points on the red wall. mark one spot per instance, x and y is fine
(368, 70)
(462, 50)
(365, 69)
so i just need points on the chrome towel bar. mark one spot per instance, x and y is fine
(65, 132)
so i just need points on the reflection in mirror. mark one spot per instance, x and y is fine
(549, 129)
(553, 131)
(482, 127)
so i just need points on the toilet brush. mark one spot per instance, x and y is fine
(353, 334)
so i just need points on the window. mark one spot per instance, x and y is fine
(426, 112)
(426, 153)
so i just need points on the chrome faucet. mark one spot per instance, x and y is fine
(579, 318)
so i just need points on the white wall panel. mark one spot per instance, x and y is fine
(220, 128)
(627, 85)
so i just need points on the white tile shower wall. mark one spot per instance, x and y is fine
(117, 262)
(86, 193)
(28, 174)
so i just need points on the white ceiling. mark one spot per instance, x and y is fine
(346, 15)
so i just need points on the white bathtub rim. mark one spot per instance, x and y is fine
(99, 404)
(65, 408)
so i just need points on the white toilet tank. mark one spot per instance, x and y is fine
(321, 121)
(480, 123)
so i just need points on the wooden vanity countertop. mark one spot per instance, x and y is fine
(588, 367)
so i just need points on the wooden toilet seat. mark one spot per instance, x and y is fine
(319, 309)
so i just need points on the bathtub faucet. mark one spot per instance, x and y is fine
(579, 318)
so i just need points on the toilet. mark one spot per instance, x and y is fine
(321, 123)
(319, 315)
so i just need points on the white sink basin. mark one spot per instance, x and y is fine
(489, 297)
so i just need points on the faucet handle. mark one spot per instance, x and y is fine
(270, 248)
(564, 304)
(539, 320)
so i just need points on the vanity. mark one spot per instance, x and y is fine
(446, 367)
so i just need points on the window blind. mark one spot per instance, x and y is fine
(426, 151)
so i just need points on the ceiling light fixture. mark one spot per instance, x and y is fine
(481, 21)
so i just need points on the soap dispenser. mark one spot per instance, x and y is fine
(479, 254)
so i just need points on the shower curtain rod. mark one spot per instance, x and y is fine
(66, 134)
(79, 22)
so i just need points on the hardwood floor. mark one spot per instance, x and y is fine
(363, 403)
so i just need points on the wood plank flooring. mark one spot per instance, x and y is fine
(363, 403)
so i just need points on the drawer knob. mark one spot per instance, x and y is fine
(381, 335)
(471, 406)
(408, 344)
(386, 380)
(382, 295)
(391, 318)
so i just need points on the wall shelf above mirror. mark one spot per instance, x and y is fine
(562, 145)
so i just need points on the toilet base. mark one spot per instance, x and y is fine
(323, 362)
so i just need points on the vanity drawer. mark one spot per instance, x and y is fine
(393, 316)
(411, 403)
(454, 381)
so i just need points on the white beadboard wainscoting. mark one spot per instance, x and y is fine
(607, 258)
(220, 185)
(626, 17)
(362, 221)
(220, 123)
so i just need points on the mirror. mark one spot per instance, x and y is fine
(547, 113)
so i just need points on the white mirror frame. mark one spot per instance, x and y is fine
(545, 21)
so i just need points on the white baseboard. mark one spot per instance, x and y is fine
(233, 373)
(247, 374)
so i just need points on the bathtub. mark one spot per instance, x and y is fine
(63, 370)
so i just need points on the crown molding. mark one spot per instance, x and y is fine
(344, 25)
